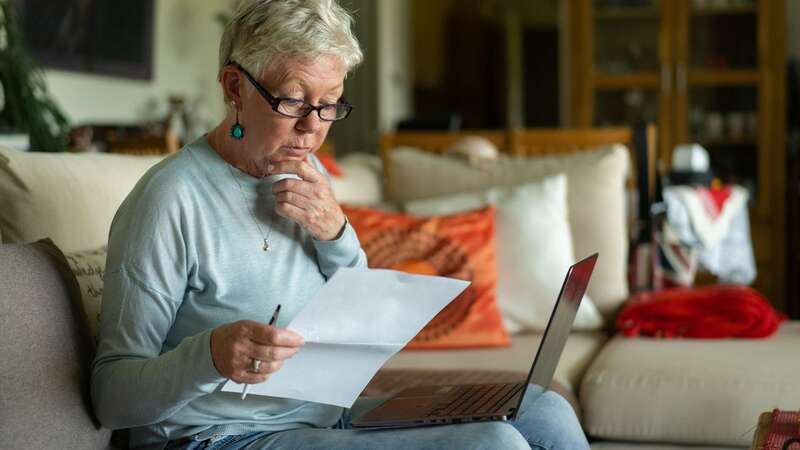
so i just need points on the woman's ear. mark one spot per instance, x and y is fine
(231, 80)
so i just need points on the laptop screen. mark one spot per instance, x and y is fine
(559, 326)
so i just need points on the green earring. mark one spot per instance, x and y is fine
(237, 130)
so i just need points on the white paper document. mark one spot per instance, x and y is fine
(357, 321)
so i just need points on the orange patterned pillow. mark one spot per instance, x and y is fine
(458, 246)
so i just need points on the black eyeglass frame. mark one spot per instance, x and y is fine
(275, 102)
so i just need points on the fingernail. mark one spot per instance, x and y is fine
(270, 168)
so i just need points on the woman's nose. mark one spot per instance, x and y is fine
(309, 123)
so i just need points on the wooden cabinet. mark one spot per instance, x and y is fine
(705, 71)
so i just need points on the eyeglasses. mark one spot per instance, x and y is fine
(296, 108)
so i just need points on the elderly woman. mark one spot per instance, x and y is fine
(212, 239)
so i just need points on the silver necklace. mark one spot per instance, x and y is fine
(252, 213)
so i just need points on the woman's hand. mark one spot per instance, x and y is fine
(308, 201)
(236, 345)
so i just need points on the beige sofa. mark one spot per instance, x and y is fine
(632, 393)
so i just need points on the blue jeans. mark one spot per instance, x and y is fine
(545, 422)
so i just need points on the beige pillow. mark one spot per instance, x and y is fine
(70, 198)
(89, 266)
(595, 200)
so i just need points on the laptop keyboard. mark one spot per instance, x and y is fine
(476, 399)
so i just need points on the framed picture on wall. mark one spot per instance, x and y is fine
(109, 37)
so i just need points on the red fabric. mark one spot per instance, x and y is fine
(719, 311)
(330, 164)
(714, 199)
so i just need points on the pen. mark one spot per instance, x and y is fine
(256, 362)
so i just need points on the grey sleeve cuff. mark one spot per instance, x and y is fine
(344, 251)
(203, 374)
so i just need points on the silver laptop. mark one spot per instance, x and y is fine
(436, 405)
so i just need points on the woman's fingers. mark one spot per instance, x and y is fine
(267, 353)
(302, 169)
(235, 347)
(308, 201)
(264, 334)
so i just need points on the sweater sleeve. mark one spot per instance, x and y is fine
(132, 383)
(134, 380)
(344, 251)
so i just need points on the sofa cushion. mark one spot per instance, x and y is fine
(44, 340)
(596, 200)
(690, 390)
(68, 197)
(581, 348)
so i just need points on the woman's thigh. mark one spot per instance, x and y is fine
(488, 435)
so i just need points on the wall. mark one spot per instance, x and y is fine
(395, 66)
(380, 88)
(793, 29)
(184, 62)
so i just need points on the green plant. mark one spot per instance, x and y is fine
(26, 105)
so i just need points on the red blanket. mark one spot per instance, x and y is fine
(719, 311)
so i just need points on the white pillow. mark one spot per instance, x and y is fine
(361, 181)
(534, 248)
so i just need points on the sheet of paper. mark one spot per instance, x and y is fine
(357, 321)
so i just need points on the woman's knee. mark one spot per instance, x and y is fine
(491, 435)
(550, 423)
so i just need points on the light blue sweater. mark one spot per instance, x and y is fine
(184, 257)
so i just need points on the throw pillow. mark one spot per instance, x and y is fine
(595, 200)
(68, 197)
(534, 248)
(459, 246)
(89, 267)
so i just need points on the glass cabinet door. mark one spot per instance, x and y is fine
(626, 37)
(717, 84)
(630, 61)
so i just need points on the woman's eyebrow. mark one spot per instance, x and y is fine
(302, 86)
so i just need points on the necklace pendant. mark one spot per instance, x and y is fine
(266, 245)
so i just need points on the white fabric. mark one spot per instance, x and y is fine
(725, 246)
(534, 248)
(690, 390)
(708, 230)
(361, 182)
(68, 197)
(595, 200)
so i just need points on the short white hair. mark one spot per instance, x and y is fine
(263, 31)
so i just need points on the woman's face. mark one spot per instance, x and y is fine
(270, 136)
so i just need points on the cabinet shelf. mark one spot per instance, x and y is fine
(726, 77)
(626, 13)
(745, 141)
(606, 81)
(725, 10)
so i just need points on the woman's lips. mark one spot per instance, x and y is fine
(291, 152)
